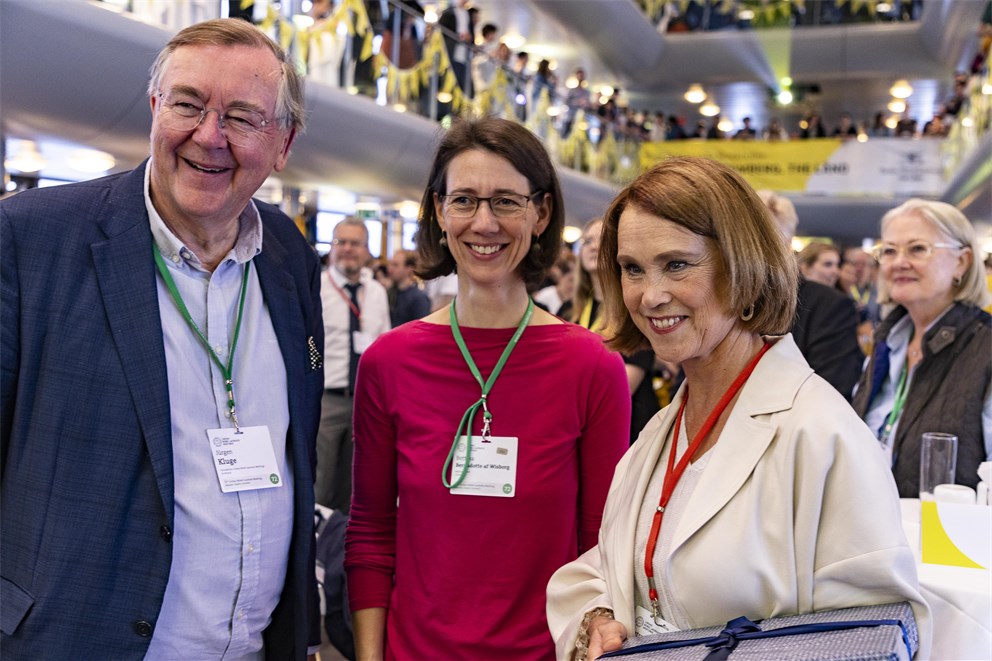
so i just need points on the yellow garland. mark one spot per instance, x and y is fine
(355, 18)
(577, 143)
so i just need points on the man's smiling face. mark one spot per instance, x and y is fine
(197, 176)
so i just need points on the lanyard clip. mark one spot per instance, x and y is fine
(487, 418)
(656, 612)
(229, 384)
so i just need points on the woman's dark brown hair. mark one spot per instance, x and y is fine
(527, 155)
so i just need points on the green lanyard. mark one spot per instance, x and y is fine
(896, 406)
(225, 370)
(469, 417)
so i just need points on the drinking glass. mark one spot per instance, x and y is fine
(938, 460)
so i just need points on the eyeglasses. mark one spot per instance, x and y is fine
(348, 243)
(915, 251)
(510, 205)
(241, 126)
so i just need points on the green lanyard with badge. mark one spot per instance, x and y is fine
(243, 456)
(494, 471)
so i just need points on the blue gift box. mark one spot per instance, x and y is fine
(865, 633)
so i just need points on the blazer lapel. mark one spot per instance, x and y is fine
(744, 438)
(126, 274)
(282, 298)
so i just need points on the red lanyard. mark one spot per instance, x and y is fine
(674, 473)
(346, 297)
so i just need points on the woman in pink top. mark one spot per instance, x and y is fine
(447, 556)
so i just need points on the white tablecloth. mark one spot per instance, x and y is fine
(960, 598)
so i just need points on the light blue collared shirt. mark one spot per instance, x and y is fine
(230, 550)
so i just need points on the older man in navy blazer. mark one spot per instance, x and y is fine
(161, 383)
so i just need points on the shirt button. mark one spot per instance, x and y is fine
(166, 532)
(241, 615)
(251, 548)
(218, 349)
(143, 628)
(227, 414)
(175, 258)
(185, 253)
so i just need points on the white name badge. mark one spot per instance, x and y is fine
(493, 471)
(646, 625)
(244, 459)
(362, 341)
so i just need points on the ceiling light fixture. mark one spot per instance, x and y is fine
(571, 234)
(901, 89)
(27, 158)
(695, 94)
(784, 97)
(514, 41)
(90, 161)
(897, 106)
(709, 109)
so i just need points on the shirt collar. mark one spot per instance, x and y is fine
(340, 279)
(902, 331)
(247, 246)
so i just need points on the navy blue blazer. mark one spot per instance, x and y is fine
(85, 442)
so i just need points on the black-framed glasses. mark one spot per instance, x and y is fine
(915, 251)
(507, 205)
(241, 126)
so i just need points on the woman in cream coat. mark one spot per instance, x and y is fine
(787, 506)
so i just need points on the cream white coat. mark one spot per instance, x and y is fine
(795, 511)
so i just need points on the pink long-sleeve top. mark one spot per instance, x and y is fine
(465, 576)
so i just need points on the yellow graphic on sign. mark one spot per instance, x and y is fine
(937, 546)
(780, 166)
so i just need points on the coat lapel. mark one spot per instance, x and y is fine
(125, 272)
(744, 439)
(282, 298)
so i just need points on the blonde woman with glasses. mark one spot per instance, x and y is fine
(931, 366)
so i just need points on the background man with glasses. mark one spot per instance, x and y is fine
(161, 382)
(356, 311)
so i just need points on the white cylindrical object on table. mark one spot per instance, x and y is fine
(985, 471)
(954, 493)
(983, 494)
